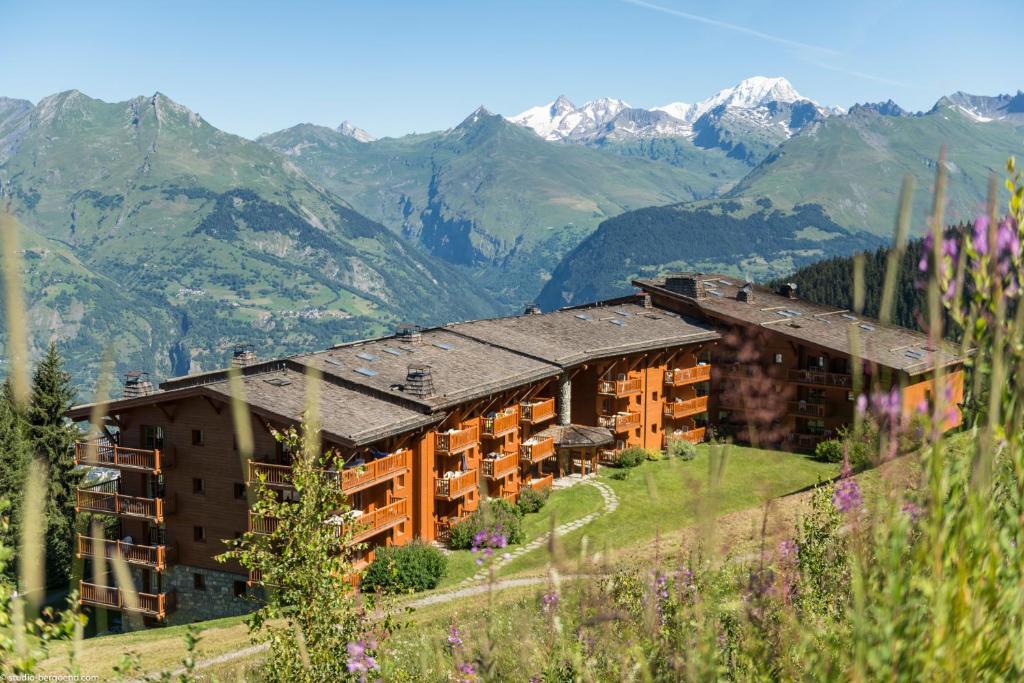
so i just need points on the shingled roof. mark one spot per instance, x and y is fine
(576, 335)
(886, 345)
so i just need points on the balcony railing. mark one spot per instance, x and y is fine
(608, 456)
(501, 424)
(156, 605)
(535, 450)
(453, 488)
(538, 411)
(679, 409)
(500, 467)
(274, 475)
(682, 376)
(371, 523)
(737, 369)
(105, 499)
(808, 441)
(456, 440)
(542, 483)
(443, 527)
(820, 377)
(806, 408)
(376, 471)
(694, 436)
(620, 422)
(152, 556)
(262, 524)
(105, 454)
(620, 387)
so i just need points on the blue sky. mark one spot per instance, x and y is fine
(397, 67)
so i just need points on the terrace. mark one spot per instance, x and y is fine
(536, 412)
(455, 487)
(456, 440)
(806, 409)
(680, 409)
(620, 422)
(152, 556)
(694, 436)
(156, 605)
(820, 378)
(354, 477)
(620, 388)
(501, 424)
(103, 453)
(106, 499)
(500, 466)
(683, 376)
(536, 449)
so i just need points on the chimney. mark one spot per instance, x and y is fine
(532, 309)
(746, 293)
(419, 381)
(645, 300)
(564, 399)
(408, 332)
(243, 356)
(137, 384)
(788, 290)
(687, 284)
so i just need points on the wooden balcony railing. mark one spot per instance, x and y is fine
(371, 523)
(455, 487)
(620, 387)
(105, 454)
(500, 467)
(542, 483)
(376, 471)
(806, 408)
(620, 422)
(737, 369)
(152, 556)
(679, 409)
(682, 376)
(694, 436)
(608, 456)
(262, 524)
(274, 475)
(456, 440)
(537, 411)
(106, 501)
(443, 527)
(820, 377)
(156, 605)
(501, 424)
(535, 450)
(808, 441)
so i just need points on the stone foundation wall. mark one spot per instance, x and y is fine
(215, 601)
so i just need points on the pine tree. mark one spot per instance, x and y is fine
(15, 455)
(53, 440)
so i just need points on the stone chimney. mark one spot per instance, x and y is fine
(409, 333)
(564, 399)
(419, 381)
(137, 384)
(687, 284)
(746, 293)
(243, 356)
(645, 300)
(788, 290)
(532, 309)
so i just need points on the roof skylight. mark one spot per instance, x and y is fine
(443, 346)
(367, 356)
(367, 371)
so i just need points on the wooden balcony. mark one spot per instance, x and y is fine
(536, 412)
(500, 467)
(620, 422)
(806, 409)
(151, 556)
(620, 387)
(456, 440)
(376, 471)
(807, 442)
(542, 483)
(501, 424)
(737, 370)
(455, 487)
(683, 376)
(694, 436)
(820, 378)
(156, 605)
(535, 450)
(262, 524)
(679, 409)
(383, 518)
(105, 454)
(608, 456)
(105, 499)
(443, 527)
(272, 474)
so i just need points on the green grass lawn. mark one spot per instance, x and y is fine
(667, 495)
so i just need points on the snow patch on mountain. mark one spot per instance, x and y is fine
(354, 132)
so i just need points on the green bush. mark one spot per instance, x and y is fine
(620, 475)
(532, 500)
(495, 515)
(631, 457)
(405, 569)
(829, 451)
(681, 448)
(653, 455)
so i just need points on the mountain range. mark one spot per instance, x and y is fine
(146, 227)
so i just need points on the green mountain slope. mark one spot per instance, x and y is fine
(748, 239)
(491, 196)
(226, 239)
(853, 165)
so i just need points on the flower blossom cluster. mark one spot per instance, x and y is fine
(360, 661)
(846, 496)
(486, 542)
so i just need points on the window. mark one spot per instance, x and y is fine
(152, 437)
(198, 486)
(239, 589)
(778, 359)
(239, 490)
(197, 437)
(199, 534)
(654, 429)
(654, 395)
(199, 582)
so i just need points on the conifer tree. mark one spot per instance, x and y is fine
(15, 455)
(53, 439)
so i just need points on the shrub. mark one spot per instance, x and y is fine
(653, 455)
(620, 475)
(495, 515)
(829, 451)
(532, 500)
(405, 569)
(681, 448)
(631, 457)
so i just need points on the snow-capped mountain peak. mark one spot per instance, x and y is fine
(561, 119)
(347, 128)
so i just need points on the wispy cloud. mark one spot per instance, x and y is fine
(733, 27)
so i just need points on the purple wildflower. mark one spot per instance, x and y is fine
(486, 542)
(846, 496)
(980, 237)
(467, 672)
(454, 637)
(549, 601)
(788, 549)
(360, 661)
(913, 511)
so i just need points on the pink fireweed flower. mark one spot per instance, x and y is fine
(360, 661)
(846, 496)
